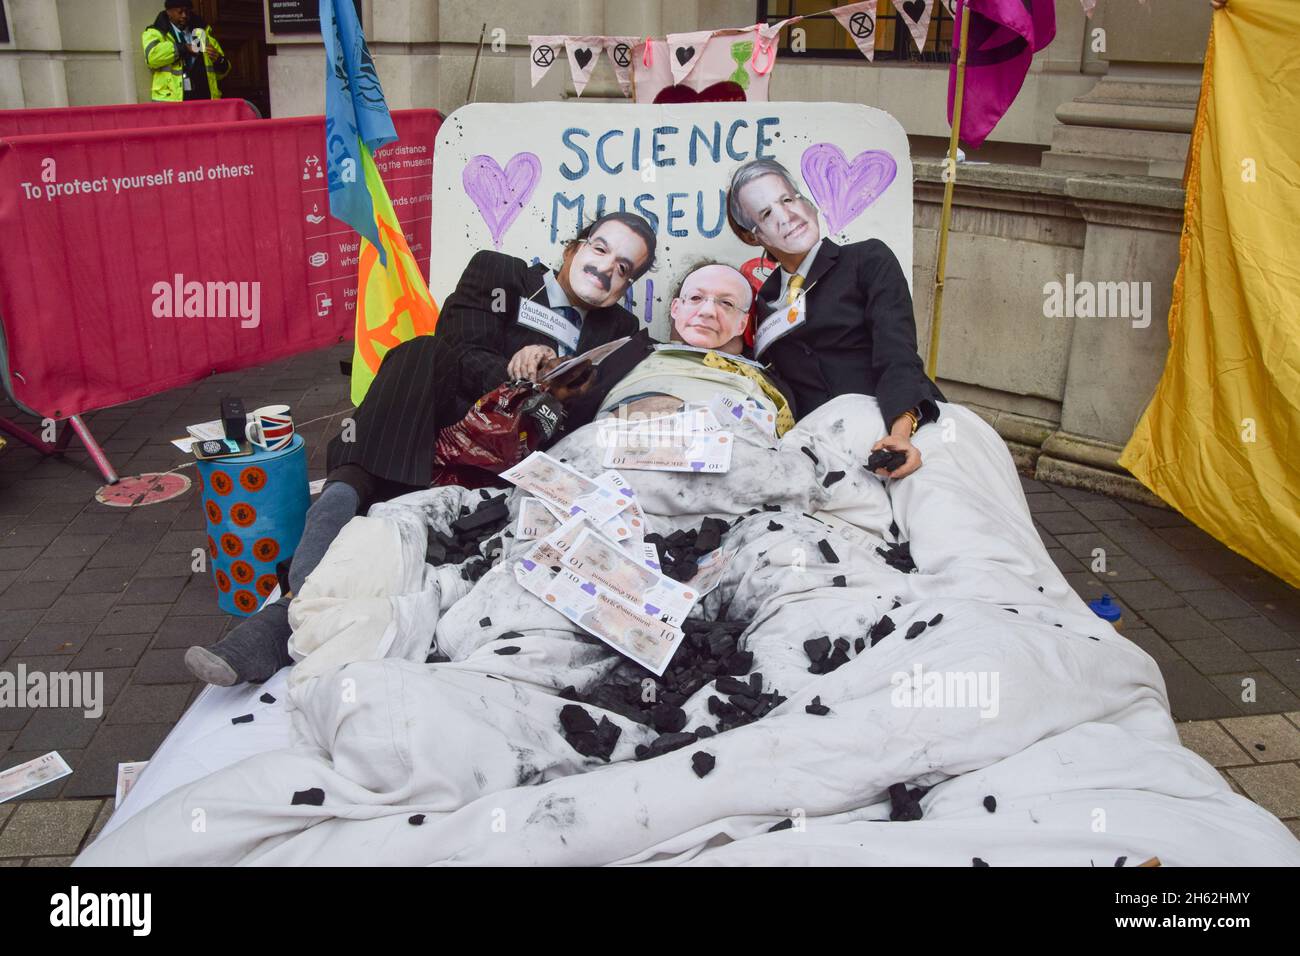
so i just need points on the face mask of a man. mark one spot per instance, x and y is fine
(784, 221)
(712, 309)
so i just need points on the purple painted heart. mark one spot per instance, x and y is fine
(501, 195)
(843, 189)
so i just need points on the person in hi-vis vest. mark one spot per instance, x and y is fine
(185, 57)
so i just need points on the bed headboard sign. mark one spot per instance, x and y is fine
(524, 177)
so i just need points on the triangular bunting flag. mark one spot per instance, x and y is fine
(860, 20)
(543, 53)
(583, 52)
(951, 6)
(1088, 7)
(620, 54)
(685, 50)
(915, 15)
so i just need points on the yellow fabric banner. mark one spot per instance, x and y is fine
(393, 301)
(1220, 440)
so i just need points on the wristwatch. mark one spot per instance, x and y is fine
(915, 416)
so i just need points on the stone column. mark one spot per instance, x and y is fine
(1138, 118)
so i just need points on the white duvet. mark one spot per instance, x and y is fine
(1021, 694)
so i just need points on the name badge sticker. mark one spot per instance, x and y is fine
(781, 322)
(550, 323)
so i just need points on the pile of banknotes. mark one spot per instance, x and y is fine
(592, 564)
(698, 439)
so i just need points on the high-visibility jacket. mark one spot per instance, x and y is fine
(162, 57)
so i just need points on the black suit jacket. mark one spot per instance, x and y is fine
(859, 335)
(481, 341)
(430, 382)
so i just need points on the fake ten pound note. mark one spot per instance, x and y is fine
(568, 489)
(26, 777)
(649, 642)
(597, 559)
(706, 453)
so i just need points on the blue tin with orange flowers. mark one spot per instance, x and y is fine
(256, 506)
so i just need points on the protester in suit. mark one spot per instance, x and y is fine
(505, 320)
(832, 319)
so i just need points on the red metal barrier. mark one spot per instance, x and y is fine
(134, 261)
(82, 119)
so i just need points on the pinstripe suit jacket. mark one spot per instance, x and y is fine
(431, 382)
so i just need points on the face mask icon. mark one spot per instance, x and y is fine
(318, 259)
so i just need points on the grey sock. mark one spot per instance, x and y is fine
(254, 650)
(336, 506)
(259, 646)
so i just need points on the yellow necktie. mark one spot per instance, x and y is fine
(796, 283)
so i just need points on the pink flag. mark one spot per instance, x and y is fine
(1004, 36)
(543, 52)
(860, 20)
(583, 52)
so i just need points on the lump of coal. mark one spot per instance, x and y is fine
(737, 664)
(312, 798)
(667, 719)
(468, 534)
(710, 536)
(492, 511)
(576, 720)
(828, 552)
(242, 719)
(505, 651)
(817, 649)
(831, 478)
(416, 820)
(898, 556)
(903, 806)
(881, 629)
(598, 741)
(704, 730)
(702, 763)
(485, 622)
(915, 630)
(732, 687)
(977, 862)
(665, 743)
(773, 526)
(990, 803)
(267, 699)
(785, 824)
(817, 708)
(839, 581)
(886, 459)
(936, 619)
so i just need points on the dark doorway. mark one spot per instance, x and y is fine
(239, 29)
